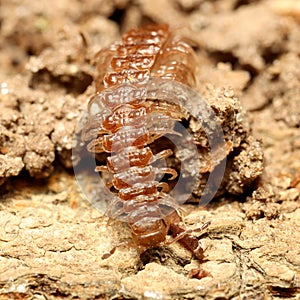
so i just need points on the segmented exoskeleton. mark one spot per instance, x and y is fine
(123, 121)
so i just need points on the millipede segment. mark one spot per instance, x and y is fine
(122, 122)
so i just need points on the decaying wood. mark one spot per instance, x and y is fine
(52, 240)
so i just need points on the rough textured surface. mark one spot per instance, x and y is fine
(52, 240)
(43, 105)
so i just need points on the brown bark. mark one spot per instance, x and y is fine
(52, 240)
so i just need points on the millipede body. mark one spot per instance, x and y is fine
(123, 122)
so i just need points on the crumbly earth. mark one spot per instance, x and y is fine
(52, 240)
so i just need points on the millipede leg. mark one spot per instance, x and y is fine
(167, 171)
(164, 187)
(96, 145)
(113, 250)
(101, 169)
(115, 209)
(166, 109)
(162, 154)
(185, 238)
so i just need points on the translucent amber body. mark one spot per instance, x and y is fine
(123, 122)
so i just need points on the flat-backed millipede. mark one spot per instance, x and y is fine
(127, 121)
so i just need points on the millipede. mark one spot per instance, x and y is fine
(125, 117)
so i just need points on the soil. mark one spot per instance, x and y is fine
(52, 240)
